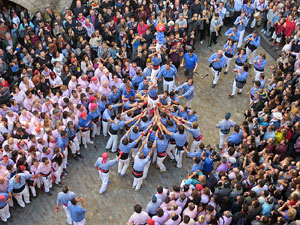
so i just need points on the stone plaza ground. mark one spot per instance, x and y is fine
(116, 205)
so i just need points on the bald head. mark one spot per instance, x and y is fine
(220, 53)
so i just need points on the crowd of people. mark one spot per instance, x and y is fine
(68, 77)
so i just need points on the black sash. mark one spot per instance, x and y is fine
(168, 78)
(124, 156)
(19, 190)
(228, 55)
(112, 131)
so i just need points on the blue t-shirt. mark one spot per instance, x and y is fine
(190, 62)
(77, 212)
(208, 165)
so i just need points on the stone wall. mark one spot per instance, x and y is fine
(40, 5)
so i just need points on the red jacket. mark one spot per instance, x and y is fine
(289, 29)
(142, 29)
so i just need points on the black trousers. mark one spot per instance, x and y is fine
(212, 38)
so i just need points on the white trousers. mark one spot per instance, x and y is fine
(160, 163)
(216, 75)
(237, 67)
(152, 103)
(154, 155)
(65, 160)
(228, 61)
(74, 145)
(4, 213)
(86, 138)
(37, 182)
(168, 85)
(178, 158)
(104, 179)
(137, 183)
(252, 53)
(47, 181)
(57, 174)
(171, 150)
(95, 130)
(189, 103)
(78, 135)
(82, 222)
(19, 197)
(257, 74)
(195, 145)
(123, 165)
(112, 142)
(234, 88)
(241, 39)
(223, 138)
(67, 211)
(104, 127)
(33, 191)
(158, 46)
(252, 25)
(154, 73)
(146, 169)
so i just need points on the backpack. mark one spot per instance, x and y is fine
(241, 221)
(297, 145)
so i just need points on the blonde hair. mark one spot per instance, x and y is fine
(64, 87)
(201, 219)
(291, 213)
(202, 179)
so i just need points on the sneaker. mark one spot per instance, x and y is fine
(230, 96)
(239, 93)
(225, 72)
(91, 142)
(109, 182)
(49, 193)
(201, 42)
(85, 146)
(80, 156)
(214, 85)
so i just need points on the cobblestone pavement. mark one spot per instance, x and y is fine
(116, 205)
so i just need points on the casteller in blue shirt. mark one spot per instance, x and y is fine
(191, 60)
(77, 212)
